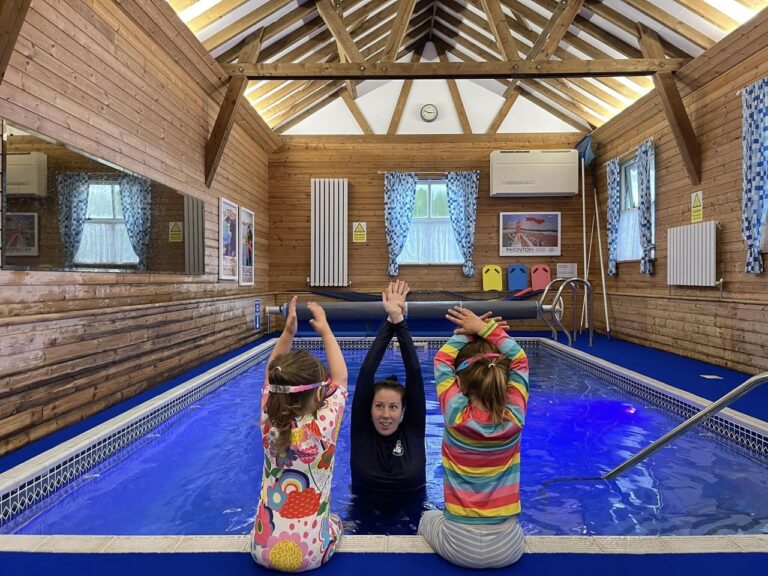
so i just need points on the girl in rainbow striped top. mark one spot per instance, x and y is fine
(482, 385)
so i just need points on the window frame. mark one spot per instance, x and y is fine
(429, 182)
(115, 185)
(624, 167)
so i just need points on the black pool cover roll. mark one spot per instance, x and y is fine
(423, 310)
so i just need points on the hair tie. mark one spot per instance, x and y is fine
(279, 368)
(469, 361)
(287, 389)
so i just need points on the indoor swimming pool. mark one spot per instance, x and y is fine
(199, 472)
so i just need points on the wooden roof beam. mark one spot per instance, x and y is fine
(221, 9)
(682, 130)
(579, 43)
(225, 119)
(627, 25)
(580, 111)
(527, 95)
(753, 4)
(317, 48)
(710, 14)
(338, 30)
(241, 25)
(481, 46)
(349, 100)
(287, 118)
(498, 23)
(453, 88)
(399, 28)
(531, 37)
(305, 14)
(553, 32)
(543, 48)
(584, 25)
(12, 14)
(179, 5)
(405, 90)
(350, 86)
(269, 92)
(434, 70)
(672, 24)
(555, 29)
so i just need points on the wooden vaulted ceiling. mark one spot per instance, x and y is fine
(380, 31)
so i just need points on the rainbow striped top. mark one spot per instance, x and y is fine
(481, 460)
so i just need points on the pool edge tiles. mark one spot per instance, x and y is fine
(748, 543)
(25, 485)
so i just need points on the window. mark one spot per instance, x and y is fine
(629, 220)
(105, 237)
(430, 238)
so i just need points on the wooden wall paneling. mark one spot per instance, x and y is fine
(74, 343)
(696, 322)
(360, 159)
(12, 14)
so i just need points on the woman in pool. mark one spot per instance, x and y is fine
(389, 418)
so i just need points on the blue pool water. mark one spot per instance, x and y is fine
(199, 473)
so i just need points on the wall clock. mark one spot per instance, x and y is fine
(428, 112)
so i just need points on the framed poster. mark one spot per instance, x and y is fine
(246, 247)
(529, 234)
(20, 234)
(227, 240)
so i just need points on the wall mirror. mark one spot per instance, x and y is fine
(66, 210)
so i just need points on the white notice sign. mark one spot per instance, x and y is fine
(568, 270)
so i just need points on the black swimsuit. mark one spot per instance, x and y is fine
(396, 462)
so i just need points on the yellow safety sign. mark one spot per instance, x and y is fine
(697, 207)
(359, 231)
(175, 232)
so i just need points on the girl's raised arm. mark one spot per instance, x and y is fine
(285, 341)
(336, 363)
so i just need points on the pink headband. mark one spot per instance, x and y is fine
(469, 361)
(280, 389)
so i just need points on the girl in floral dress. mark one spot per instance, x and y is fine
(302, 409)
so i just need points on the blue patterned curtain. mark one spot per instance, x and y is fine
(399, 198)
(644, 152)
(136, 197)
(462, 207)
(73, 204)
(614, 212)
(754, 142)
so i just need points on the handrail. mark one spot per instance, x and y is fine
(588, 287)
(553, 312)
(713, 408)
(572, 282)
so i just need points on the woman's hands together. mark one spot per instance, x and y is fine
(393, 299)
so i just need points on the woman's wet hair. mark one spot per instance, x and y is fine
(390, 383)
(291, 369)
(484, 378)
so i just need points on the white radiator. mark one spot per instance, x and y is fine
(692, 255)
(329, 232)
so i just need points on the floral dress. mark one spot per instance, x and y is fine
(294, 529)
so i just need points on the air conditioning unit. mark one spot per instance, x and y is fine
(534, 173)
(27, 174)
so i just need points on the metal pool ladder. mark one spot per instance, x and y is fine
(556, 309)
(713, 408)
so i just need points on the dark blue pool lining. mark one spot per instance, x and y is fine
(374, 564)
(677, 371)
